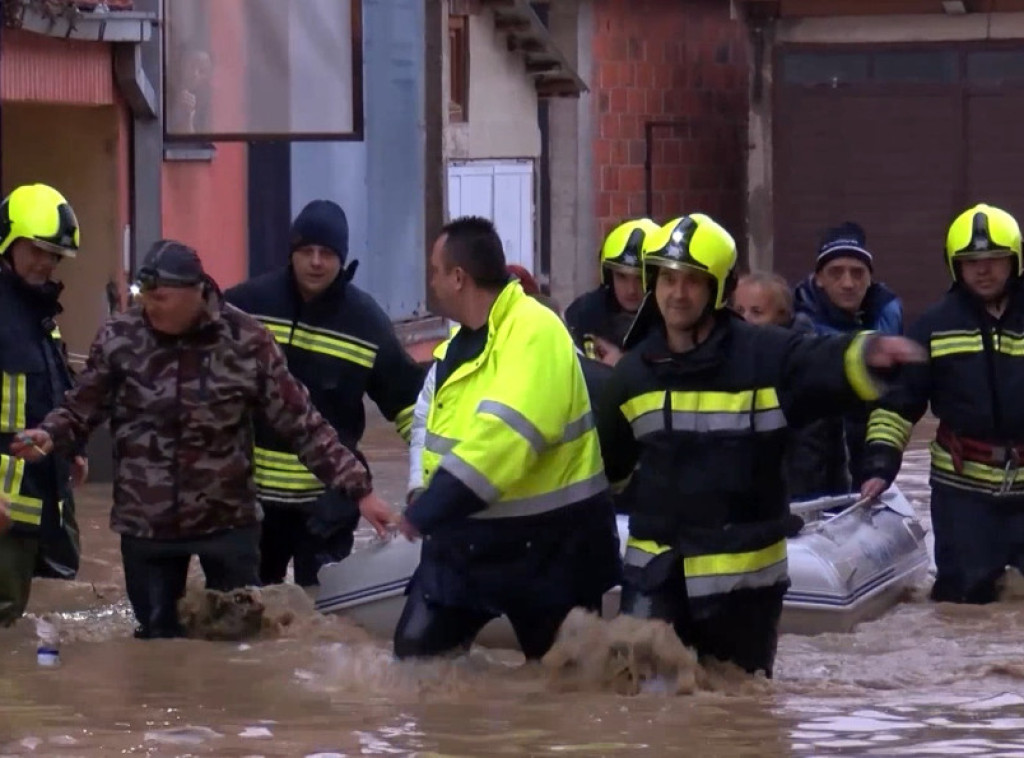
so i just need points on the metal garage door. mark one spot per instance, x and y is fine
(899, 140)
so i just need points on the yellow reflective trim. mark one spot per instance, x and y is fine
(342, 349)
(55, 334)
(641, 404)
(25, 510)
(368, 348)
(1009, 343)
(725, 402)
(285, 481)
(403, 422)
(857, 373)
(277, 459)
(285, 471)
(322, 341)
(647, 546)
(12, 402)
(944, 344)
(889, 427)
(992, 475)
(734, 563)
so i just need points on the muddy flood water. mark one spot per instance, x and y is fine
(923, 680)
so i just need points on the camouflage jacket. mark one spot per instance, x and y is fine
(182, 411)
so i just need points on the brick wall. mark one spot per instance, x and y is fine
(679, 62)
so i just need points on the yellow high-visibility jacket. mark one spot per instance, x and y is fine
(512, 424)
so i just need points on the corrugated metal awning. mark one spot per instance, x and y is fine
(65, 20)
(545, 64)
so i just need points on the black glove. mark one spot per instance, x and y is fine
(332, 512)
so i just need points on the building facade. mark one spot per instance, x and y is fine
(896, 115)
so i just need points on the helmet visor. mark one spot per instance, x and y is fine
(50, 247)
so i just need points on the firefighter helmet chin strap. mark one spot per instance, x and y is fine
(706, 315)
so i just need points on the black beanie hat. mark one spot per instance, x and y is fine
(844, 241)
(321, 222)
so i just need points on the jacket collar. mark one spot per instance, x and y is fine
(812, 300)
(708, 355)
(501, 308)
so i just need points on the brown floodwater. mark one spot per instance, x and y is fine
(923, 680)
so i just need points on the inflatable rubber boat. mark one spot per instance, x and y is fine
(850, 563)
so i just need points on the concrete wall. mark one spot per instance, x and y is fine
(205, 205)
(36, 148)
(840, 30)
(502, 102)
(571, 129)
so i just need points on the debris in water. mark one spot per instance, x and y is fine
(280, 610)
(625, 655)
(182, 735)
(213, 615)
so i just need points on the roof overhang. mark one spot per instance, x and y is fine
(552, 74)
(65, 20)
(766, 10)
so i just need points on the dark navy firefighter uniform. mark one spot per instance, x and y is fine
(342, 346)
(33, 379)
(701, 437)
(974, 382)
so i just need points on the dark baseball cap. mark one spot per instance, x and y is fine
(170, 264)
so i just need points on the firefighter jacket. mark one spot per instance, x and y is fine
(342, 346)
(597, 312)
(182, 410)
(704, 435)
(34, 379)
(816, 459)
(595, 376)
(510, 428)
(974, 382)
(516, 511)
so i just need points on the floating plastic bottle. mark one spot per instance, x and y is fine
(48, 649)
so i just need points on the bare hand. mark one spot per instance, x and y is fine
(377, 513)
(31, 445)
(408, 531)
(872, 488)
(607, 352)
(887, 352)
(79, 471)
(5, 519)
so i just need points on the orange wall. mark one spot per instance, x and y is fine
(205, 205)
(46, 70)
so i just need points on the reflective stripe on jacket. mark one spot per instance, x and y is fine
(514, 424)
(342, 346)
(703, 436)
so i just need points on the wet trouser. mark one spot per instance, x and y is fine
(426, 629)
(155, 572)
(976, 537)
(291, 533)
(18, 554)
(60, 548)
(741, 627)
